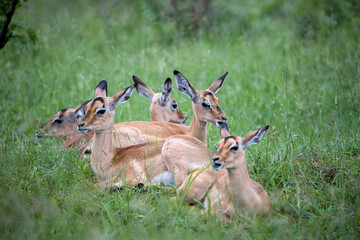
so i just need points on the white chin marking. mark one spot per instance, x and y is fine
(217, 166)
(83, 130)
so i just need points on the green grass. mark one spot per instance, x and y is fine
(304, 83)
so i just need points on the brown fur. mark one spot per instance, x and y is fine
(198, 127)
(230, 191)
(72, 138)
(114, 166)
(165, 113)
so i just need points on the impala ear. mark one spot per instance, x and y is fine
(143, 89)
(224, 130)
(215, 87)
(81, 109)
(185, 86)
(254, 137)
(101, 89)
(165, 93)
(122, 96)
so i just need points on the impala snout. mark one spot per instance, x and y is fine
(38, 135)
(184, 121)
(81, 127)
(216, 164)
(222, 121)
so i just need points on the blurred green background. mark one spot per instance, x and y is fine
(294, 65)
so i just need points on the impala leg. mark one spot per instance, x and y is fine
(195, 186)
(116, 183)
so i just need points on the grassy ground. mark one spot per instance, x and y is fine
(303, 79)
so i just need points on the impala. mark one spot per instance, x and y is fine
(228, 190)
(205, 107)
(163, 108)
(64, 123)
(115, 166)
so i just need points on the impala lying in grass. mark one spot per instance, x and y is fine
(163, 108)
(205, 106)
(63, 125)
(141, 163)
(228, 190)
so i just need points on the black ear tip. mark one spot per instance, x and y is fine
(130, 87)
(137, 81)
(176, 72)
(266, 127)
(135, 78)
(224, 76)
(102, 84)
(168, 80)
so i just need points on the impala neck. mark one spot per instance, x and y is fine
(103, 152)
(240, 183)
(198, 128)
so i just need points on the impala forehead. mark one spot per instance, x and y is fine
(66, 113)
(158, 95)
(209, 96)
(227, 142)
(59, 114)
(96, 103)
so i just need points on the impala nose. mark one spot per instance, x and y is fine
(184, 121)
(216, 165)
(219, 122)
(38, 135)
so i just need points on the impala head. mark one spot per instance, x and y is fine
(98, 114)
(231, 149)
(63, 124)
(206, 105)
(163, 108)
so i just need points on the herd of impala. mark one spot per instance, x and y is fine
(165, 151)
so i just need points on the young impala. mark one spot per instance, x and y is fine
(163, 108)
(205, 106)
(63, 125)
(228, 190)
(116, 166)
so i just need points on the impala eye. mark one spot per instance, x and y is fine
(58, 121)
(234, 148)
(100, 111)
(174, 105)
(205, 105)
